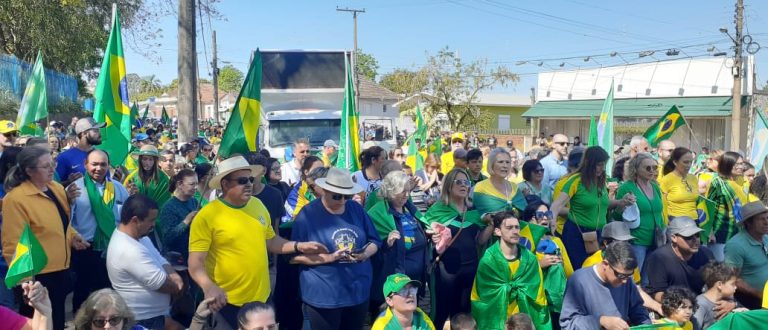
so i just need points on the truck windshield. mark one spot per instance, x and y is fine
(285, 132)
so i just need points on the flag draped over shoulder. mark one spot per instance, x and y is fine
(487, 199)
(759, 141)
(28, 260)
(388, 321)
(664, 127)
(34, 104)
(592, 132)
(605, 129)
(112, 104)
(503, 288)
(349, 132)
(243, 126)
(706, 211)
(448, 215)
(755, 319)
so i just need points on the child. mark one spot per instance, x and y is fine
(678, 305)
(462, 321)
(720, 279)
(519, 321)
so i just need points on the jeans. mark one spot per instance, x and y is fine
(574, 243)
(718, 249)
(641, 251)
(157, 322)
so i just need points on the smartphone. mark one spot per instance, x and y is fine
(361, 250)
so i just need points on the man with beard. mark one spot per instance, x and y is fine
(70, 165)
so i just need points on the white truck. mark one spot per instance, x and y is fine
(302, 92)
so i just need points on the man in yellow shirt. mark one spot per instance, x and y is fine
(446, 160)
(229, 239)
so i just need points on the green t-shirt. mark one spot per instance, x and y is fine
(588, 208)
(651, 212)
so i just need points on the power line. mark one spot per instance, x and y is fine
(202, 35)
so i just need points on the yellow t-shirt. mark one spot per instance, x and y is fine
(680, 194)
(555, 194)
(765, 296)
(597, 258)
(660, 170)
(446, 162)
(235, 240)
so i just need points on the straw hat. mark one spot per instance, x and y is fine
(230, 165)
(339, 181)
(147, 150)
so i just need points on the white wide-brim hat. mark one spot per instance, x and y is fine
(230, 165)
(339, 181)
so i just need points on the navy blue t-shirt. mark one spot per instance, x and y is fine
(70, 161)
(338, 284)
(273, 201)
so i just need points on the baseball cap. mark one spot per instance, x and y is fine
(7, 126)
(396, 282)
(140, 137)
(574, 158)
(457, 136)
(330, 144)
(460, 154)
(617, 230)
(84, 124)
(683, 226)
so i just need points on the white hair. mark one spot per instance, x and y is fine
(636, 141)
(394, 183)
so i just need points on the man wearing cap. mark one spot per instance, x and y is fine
(229, 240)
(401, 293)
(330, 153)
(554, 164)
(8, 133)
(460, 158)
(95, 211)
(70, 165)
(678, 262)
(290, 169)
(446, 160)
(747, 251)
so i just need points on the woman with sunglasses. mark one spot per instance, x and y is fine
(497, 193)
(727, 196)
(105, 308)
(678, 186)
(335, 286)
(274, 177)
(455, 266)
(533, 174)
(641, 174)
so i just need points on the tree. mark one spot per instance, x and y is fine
(366, 65)
(405, 82)
(230, 79)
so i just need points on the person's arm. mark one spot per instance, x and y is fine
(39, 300)
(558, 207)
(319, 259)
(196, 264)
(13, 224)
(744, 287)
(485, 234)
(637, 312)
(657, 277)
(573, 315)
(170, 232)
(649, 302)
(173, 283)
(281, 245)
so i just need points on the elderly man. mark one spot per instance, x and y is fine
(95, 211)
(664, 150)
(555, 163)
(602, 296)
(747, 251)
(638, 144)
(291, 169)
(229, 240)
(70, 165)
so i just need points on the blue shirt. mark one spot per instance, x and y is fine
(337, 284)
(83, 219)
(553, 169)
(70, 161)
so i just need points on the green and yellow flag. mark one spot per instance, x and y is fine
(243, 126)
(135, 115)
(664, 127)
(413, 148)
(349, 133)
(164, 118)
(34, 104)
(112, 103)
(28, 260)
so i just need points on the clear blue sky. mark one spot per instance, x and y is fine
(401, 33)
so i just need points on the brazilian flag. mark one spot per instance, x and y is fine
(28, 260)
(664, 127)
(243, 125)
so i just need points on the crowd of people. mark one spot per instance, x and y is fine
(468, 233)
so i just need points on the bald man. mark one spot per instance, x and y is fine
(664, 150)
(554, 164)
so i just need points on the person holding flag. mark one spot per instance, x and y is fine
(37, 296)
(148, 179)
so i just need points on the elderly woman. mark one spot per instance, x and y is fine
(586, 194)
(148, 179)
(678, 186)
(533, 174)
(35, 202)
(455, 266)
(104, 309)
(177, 214)
(641, 173)
(404, 242)
(335, 287)
(726, 196)
(497, 193)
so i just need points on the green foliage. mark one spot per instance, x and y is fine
(366, 65)
(230, 79)
(405, 82)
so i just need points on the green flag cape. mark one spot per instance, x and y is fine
(157, 190)
(450, 216)
(28, 260)
(664, 127)
(487, 199)
(755, 319)
(554, 286)
(496, 287)
(388, 321)
(241, 133)
(383, 219)
(726, 212)
(102, 206)
(34, 104)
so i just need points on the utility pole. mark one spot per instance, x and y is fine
(354, 58)
(187, 70)
(215, 66)
(737, 76)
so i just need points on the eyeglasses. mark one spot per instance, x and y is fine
(541, 215)
(407, 292)
(338, 197)
(244, 180)
(461, 182)
(113, 321)
(207, 149)
(689, 239)
(538, 170)
(276, 169)
(651, 168)
(619, 275)
(10, 135)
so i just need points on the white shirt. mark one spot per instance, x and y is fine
(136, 271)
(290, 174)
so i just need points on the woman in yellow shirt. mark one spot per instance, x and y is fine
(678, 187)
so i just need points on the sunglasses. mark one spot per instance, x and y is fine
(689, 239)
(10, 135)
(338, 197)
(651, 168)
(461, 182)
(208, 149)
(113, 321)
(538, 170)
(619, 275)
(243, 180)
(407, 292)
(541, 215)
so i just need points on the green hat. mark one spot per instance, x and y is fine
(147, 150)
(397, 282)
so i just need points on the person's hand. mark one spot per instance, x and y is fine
(628, 199)
(79, 243)
(359, 257)
(191, 216)
(613, 323)
(38, 298)
(341, 254)
(487, 219)
(204, 310)
(357, 198)
(218, 297)
(312, 248)
(131, 187)
(434, 236)
(741, 309)
(73, 192)
(178, 281)
(74, 176)
(723, 307)
(392, 237)
(415, 182)
(612, 187)
(549, 260)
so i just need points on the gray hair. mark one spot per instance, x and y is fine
(318, 173)
(636, 140)
(389, 166)
(301, 141)
(103, 300)
(394, 183)
(620, 253)
(492, 158)
(633, 166)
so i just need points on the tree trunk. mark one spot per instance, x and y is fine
(186, 106)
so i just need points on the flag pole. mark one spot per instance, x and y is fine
(693, 136)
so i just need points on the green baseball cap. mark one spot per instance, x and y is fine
(397, 282)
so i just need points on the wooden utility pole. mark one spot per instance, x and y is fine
(187, 70)
(215, 66)
(737, 76)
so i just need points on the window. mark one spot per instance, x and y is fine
(504, 122)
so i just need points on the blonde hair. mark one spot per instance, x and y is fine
(103, 300)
